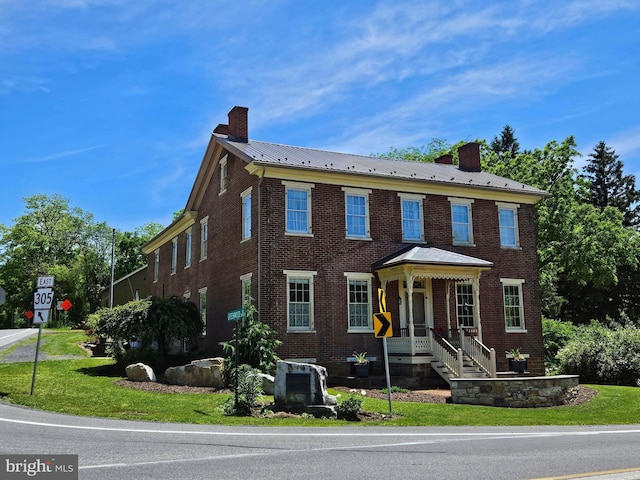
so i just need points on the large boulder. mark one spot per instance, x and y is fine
(139, 372)
(207, 372)
(267, 382)
(301, 384)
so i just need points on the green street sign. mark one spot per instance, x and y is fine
(234, 315)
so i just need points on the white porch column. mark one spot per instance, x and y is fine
(476, 301)
(409, 279)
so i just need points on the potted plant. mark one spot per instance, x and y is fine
(361, 365)
(517, 362)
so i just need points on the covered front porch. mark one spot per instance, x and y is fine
(438, 295)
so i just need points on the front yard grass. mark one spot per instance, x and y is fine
(85, 387)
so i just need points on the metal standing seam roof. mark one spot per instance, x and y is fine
(432, 256)
(321, 160)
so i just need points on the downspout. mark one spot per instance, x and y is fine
(259, 301)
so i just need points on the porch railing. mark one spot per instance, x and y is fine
(449, 355)
(484, 357)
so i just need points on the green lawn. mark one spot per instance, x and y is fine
(85, 387)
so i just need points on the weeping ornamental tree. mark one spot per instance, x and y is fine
(154, 321)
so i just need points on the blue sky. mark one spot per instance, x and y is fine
(110, 103)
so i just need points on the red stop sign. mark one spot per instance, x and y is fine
(29, 314)
(66, 304)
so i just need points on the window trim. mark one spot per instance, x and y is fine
(514, 208)
(511, 282)
(307, 187)
(467, 202)
(304, 275)
(246, 220)
(204, 238)
(357, 192)
(413, 198)
(359, 276)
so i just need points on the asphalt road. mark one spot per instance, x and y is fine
(112, 449)
(7, 337)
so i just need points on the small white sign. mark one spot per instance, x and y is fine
(43, 299)
(41, 316)
(45, 281)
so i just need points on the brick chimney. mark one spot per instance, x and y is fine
(222, 129)
(446, 159)
(239, 124)
(469, 157)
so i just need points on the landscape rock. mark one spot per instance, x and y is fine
(268, 382)
(139, 372)
(207, 372)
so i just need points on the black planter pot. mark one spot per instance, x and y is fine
(518, 366)
(362, 370)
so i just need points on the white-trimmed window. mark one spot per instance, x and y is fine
(187, 248)
(246, 213)
(461, 221)
(245, 281)
(513, 304)
(299, 300)
(174, 255)
(412, 217)
(156, 265)
(508, 220)
(202, 305)
(298, 208)
(204, 238)
(359, 302)
(464, 304)
(224, 174)
(356, 202)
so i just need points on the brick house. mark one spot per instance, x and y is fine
(312, 235)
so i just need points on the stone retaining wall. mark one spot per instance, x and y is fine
(515, 392)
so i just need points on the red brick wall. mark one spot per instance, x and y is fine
(330, 255)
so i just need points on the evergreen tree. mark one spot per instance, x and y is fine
(609, 187)
(507, 143)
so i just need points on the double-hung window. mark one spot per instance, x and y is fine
(461, 221)
(246, 289)
(246, 213)
(356, 213)
(174, 255)
(299, 300)
(464, 304)
(224, 174)
(412, 217)
(202, 301)
(187, 248)
(204, 238)
(508, 221)
(513, 304)
(359, 302)
(156, 265)
(298, 208)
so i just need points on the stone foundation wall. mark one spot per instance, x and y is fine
(528, 392)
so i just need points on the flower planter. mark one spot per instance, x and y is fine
(362, 370)
(518, 366)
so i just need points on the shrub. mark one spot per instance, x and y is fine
(349, 408)
(556, 334)
(603, 355)
(248, 391)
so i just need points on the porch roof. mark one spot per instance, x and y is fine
(430, 262)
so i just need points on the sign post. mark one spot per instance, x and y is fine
(234, 316)
(382, 329)
(42, 301)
